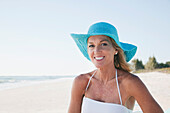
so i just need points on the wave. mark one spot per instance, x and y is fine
(8, 82)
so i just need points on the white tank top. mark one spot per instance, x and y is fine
(94, 106)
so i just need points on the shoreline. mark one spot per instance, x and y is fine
(47, 97)
(24, 83)
(54, 96)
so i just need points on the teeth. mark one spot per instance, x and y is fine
(99, 58)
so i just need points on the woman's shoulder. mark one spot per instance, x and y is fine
(81, 80)
(130, 79)
(132, 82)
(83, 77)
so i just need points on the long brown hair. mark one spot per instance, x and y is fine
(120, 58)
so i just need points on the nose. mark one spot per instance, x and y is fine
(97, 49)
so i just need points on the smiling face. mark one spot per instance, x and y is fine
(101, 51)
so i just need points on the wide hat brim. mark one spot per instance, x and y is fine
(81, 41)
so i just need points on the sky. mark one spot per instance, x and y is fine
(35, 34)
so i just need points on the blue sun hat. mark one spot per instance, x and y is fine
(103, 28)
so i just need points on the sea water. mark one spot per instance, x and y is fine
(8, 82)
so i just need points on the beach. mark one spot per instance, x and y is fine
(54, 96)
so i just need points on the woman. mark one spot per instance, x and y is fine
(110, 88)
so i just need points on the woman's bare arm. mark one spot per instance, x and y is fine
(140, 92)
(77, 94)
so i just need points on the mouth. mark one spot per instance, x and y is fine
(99, 58)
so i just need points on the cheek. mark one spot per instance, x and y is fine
(110, 53)
(89, 52)
(109, 50)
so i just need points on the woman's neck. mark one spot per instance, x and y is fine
(106, 74)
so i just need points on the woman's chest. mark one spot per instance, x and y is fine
(110, 92)
(103, 92)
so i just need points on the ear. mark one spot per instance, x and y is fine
(116, 52)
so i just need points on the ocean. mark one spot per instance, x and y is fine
(8, 82)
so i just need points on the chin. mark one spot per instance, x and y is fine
(103, 64)
(99, 65)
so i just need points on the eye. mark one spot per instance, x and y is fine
(91, 45)
(104, 44)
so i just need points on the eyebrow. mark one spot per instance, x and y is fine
(101, 41)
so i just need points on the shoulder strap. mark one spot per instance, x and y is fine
(89, 81)
(118, 88)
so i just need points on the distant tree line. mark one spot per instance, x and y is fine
(150, 65)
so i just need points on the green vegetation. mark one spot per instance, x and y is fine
(150, 66)
(137, 65)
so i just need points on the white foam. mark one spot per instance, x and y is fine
(24, 83)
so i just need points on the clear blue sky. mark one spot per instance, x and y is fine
(35, 34)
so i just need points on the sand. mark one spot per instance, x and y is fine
(54, 96)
